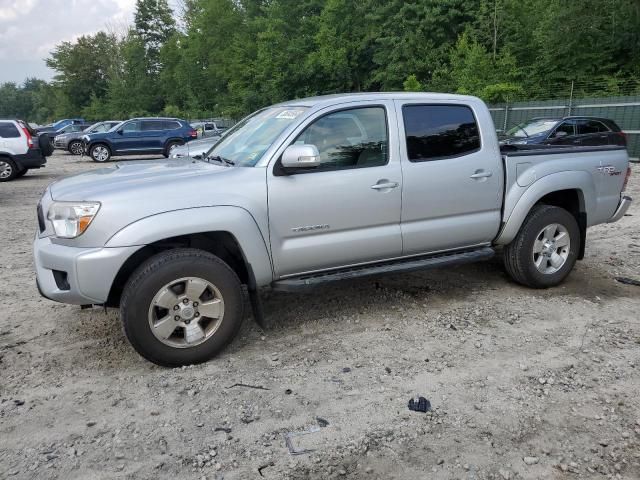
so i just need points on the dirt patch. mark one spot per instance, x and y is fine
(523, 383)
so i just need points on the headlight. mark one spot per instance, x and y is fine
(85, 138)
(71, 219)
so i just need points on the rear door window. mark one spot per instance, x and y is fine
(586, 127)
(436, 132)
(8, 130)
(151, 125)
(171, 125)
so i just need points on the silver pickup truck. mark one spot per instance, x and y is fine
(314, 191)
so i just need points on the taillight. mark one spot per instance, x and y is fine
(626, 179)
(624, 136)
(193, 134)
(29, 138)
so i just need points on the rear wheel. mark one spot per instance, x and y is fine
(100, 153)
(545, 249)
(76, 148)
(8, 169)
(182, 307)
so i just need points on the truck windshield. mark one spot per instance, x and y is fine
(531, 127)
(245, 143)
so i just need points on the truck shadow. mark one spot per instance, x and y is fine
(429, 289)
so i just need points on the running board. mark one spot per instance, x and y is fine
(395, 266)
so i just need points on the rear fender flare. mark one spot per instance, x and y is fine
(568, 180)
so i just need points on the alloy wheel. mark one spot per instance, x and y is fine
(551, 248)
(186, 312)
(5, 169)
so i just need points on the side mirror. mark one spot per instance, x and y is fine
(119, 132)
(301, 156)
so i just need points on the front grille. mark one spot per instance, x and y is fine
(41, 223)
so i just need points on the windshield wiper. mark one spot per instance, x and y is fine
(219, 159)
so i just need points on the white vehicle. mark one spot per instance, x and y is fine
(21, 149)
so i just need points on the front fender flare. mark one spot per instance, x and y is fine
(234, 220)
(567, 180)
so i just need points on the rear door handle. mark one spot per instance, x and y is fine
(481, 174)
(383, 186)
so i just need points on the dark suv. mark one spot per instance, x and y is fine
(139, 136)
(579, 131)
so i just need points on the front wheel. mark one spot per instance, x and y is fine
(545, 249)
(182, 307)
(100, 153)
(76, 148)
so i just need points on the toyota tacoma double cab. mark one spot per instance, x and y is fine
(313, 191)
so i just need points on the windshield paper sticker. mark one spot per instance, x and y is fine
(289, 114)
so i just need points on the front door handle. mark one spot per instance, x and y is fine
(384, 186)
(481, 174)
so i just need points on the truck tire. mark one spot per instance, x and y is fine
(8, 169)
(545, 249)
(182, 307)
(100, 153)
(75, 147)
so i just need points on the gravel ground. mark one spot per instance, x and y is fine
(523, 383)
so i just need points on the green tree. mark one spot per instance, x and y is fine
(82, 69)
(154, 25)
(411, 84)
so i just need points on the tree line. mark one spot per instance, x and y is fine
(230, 57)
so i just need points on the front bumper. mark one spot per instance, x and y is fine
(75, 275)
(623, 206)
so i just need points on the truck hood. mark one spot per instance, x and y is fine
(131, 191)
(127, 179)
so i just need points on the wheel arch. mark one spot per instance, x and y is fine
(242, 247)
(572, 190)
(100, 142)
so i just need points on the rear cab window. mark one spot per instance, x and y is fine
(9, 130)
(440, 131)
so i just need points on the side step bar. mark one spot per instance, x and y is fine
(395, 266)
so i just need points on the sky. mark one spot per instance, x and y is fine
(29, 29)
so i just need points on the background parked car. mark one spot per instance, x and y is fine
(21, 149)
(208, 129)
(54, 127)
(139, 136)
(72, 140)
(583, 131)
(70, 128)
(196, 148)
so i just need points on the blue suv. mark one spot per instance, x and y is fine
(139, 136)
